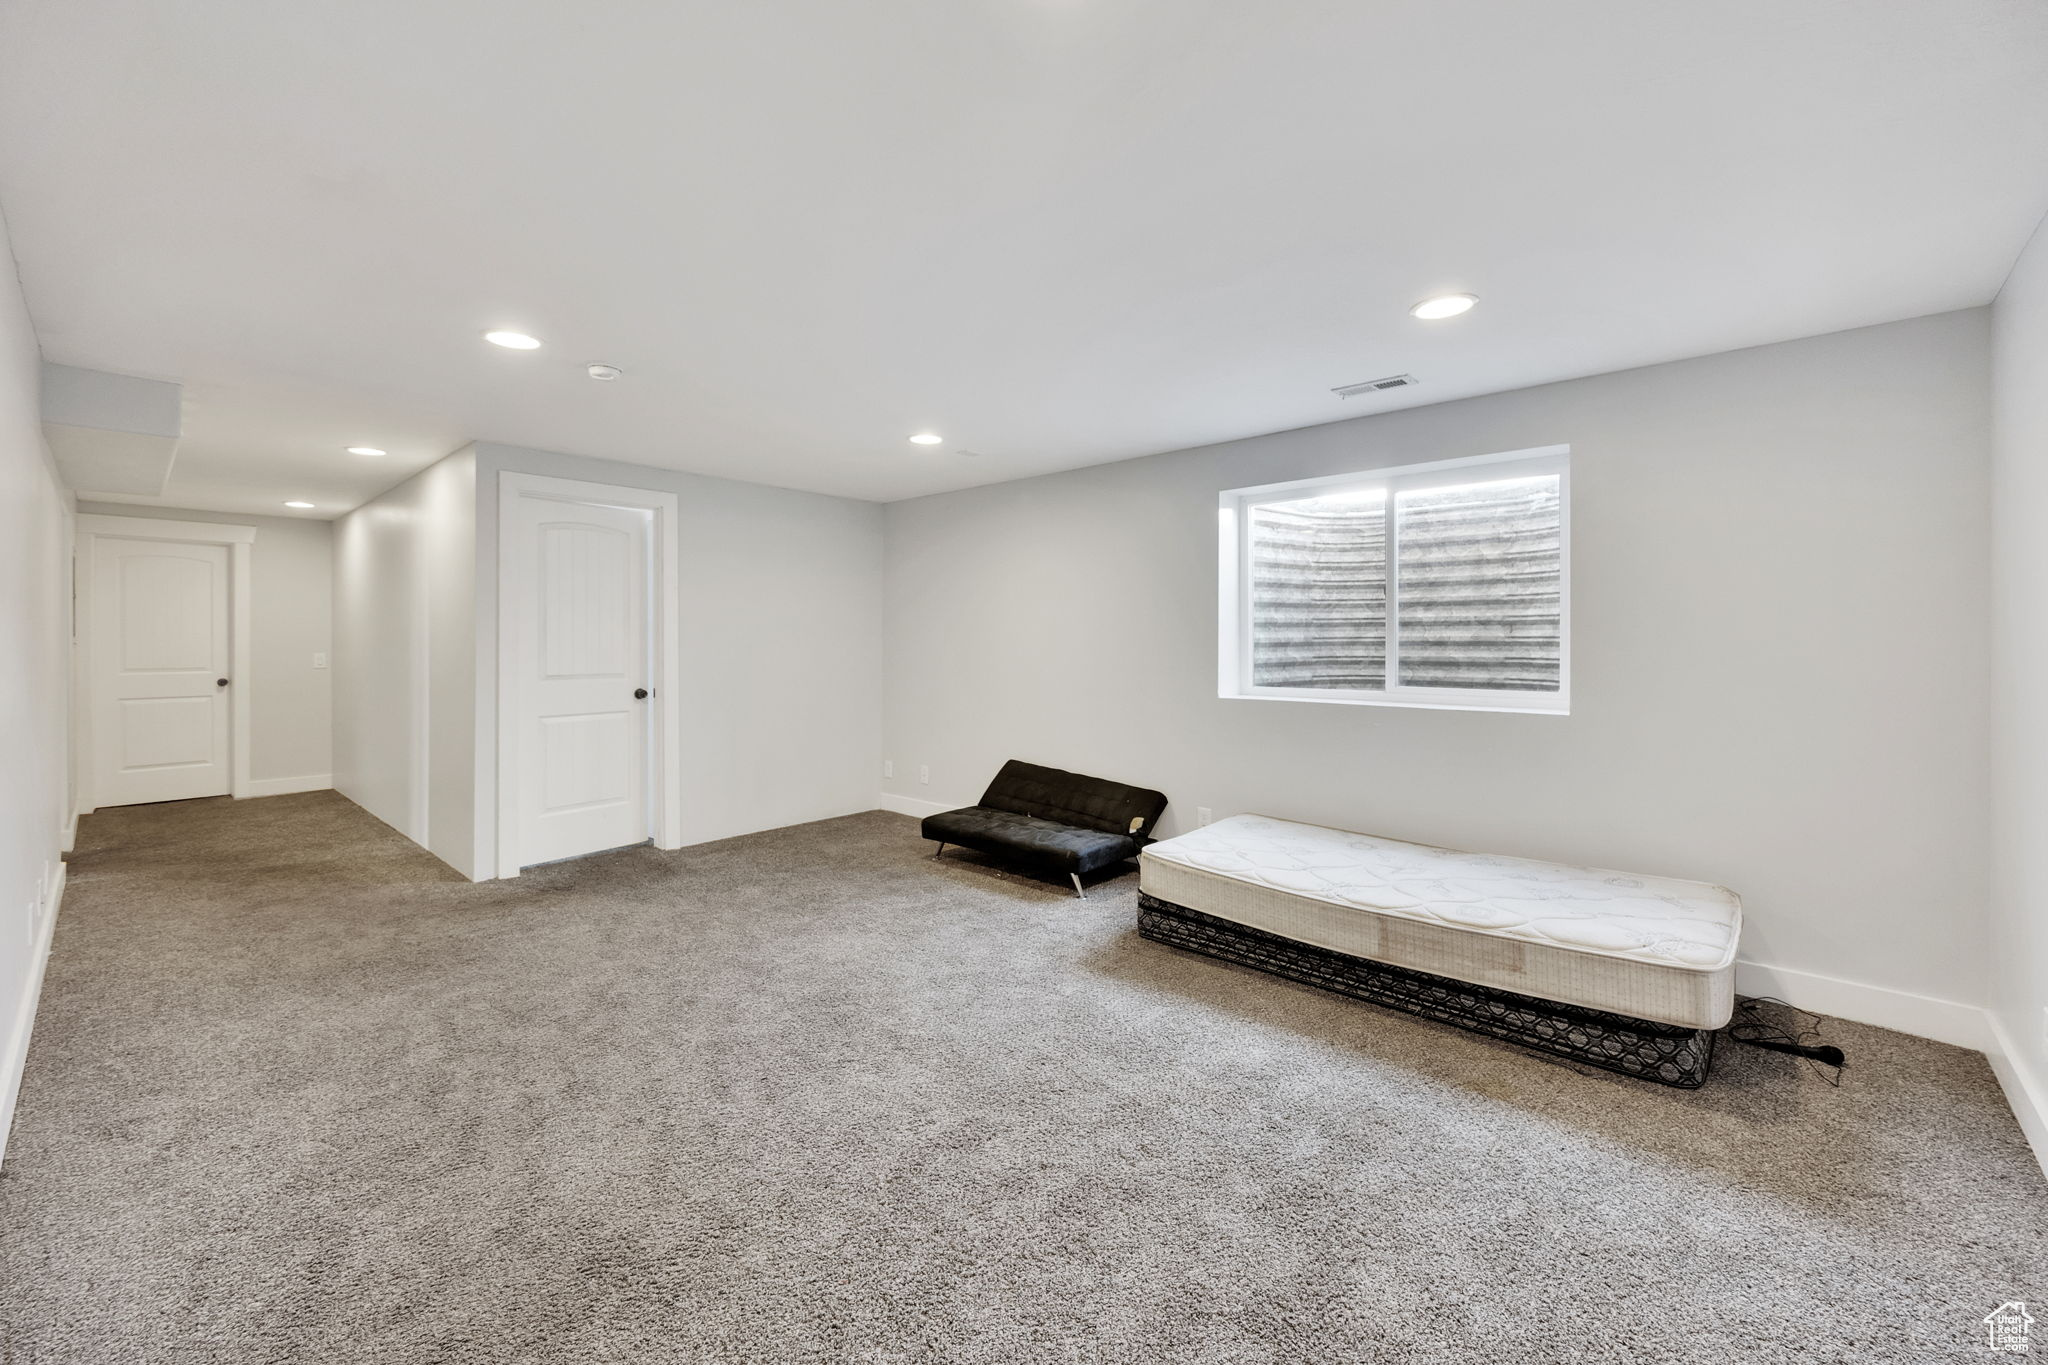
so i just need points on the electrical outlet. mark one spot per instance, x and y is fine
(888, 767)
(319, 661)
(1202, 816)
(924, 773)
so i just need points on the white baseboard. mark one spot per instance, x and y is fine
(1923, 1016)
(15, 1057)
(70, 839)
(2024, 1091)
(910, 805)
(1945, 1021)
(286, 786)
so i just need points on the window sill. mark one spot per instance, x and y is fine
(1560, 708)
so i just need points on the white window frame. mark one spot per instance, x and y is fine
(1233, 624)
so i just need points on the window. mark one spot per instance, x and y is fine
(1440, 584)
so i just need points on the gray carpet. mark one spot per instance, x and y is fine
(299, 1094)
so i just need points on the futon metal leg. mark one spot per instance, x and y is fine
(942, 849)
(1077, 885)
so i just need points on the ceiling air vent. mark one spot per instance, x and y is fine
(1392, 381)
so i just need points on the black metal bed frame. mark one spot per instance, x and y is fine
(1669, 1054)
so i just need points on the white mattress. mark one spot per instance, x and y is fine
(1650, 947)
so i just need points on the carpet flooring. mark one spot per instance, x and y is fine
(298, 1093)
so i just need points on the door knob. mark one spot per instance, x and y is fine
(639, 694)
(220, 682)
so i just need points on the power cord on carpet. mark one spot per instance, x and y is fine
(1798, 1036)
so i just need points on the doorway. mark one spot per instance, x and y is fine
(162, 640)
(586, 645)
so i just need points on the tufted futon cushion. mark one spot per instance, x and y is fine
(1026, 836)
(1070, 799)
(1064, 820)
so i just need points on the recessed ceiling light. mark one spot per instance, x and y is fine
(302, 506)
(513, 341)
(1444, 306)
(603, 373)
(927, 438)
(364, 450)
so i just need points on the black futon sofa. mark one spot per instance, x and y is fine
(1054, 819)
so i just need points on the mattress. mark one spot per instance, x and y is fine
(1650, 947)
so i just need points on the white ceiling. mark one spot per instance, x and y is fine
(1057, 231)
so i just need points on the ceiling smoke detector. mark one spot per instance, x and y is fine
(1392, 381)
(607, 373)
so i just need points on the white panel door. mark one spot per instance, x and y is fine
(158, 681)
(581, 573)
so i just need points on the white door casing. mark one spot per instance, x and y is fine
(162, 618)
(581, 570)
(160, 671)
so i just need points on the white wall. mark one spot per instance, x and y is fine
(291, 590)
(35, 594)
(780, 620)
(781, 631)
(1779, 662)
(405, 658)
(2019, 904)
